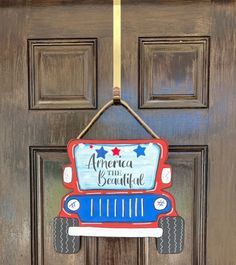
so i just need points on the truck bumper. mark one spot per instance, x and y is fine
(115, 232)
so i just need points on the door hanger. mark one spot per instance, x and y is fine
(117, 188)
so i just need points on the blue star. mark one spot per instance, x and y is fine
(140, 151)
(101, 152)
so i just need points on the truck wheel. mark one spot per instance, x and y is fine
(172, 240)
(64, 243)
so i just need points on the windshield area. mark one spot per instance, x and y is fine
(116, 166)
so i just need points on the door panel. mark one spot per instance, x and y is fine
(178, 73)
(46, 193)
(49, 86)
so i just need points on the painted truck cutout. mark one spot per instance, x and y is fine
(118, 190)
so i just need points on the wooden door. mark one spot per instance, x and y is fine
(179, 74)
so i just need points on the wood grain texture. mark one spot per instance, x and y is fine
(213, 127)
(46, 193)
(222, 134)
(62, 73)
(173, 72)
(21, 128)
(189, 190)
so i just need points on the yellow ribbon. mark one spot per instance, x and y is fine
(117, 44)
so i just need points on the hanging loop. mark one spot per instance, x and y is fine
(139, 119)
(117, 77)
(116, 95)
(126, 106)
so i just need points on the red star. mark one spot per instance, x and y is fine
(91, 146)
(116, 151)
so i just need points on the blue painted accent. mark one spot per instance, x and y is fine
(101, 152)
(98, 213)
(140, 151)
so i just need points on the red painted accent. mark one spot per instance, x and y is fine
(158, 189)
(116, 151)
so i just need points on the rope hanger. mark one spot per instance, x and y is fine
(117, 77)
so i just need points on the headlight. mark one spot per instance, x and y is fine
(67, 175)
(166, 175)
(160, 204)
(73, 205)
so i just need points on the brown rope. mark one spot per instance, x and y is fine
(130, 110)
(116, 95)
(139, 119)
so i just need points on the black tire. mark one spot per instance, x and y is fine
(172, 240)
(64, 243)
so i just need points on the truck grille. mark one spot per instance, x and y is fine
(116, 208)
